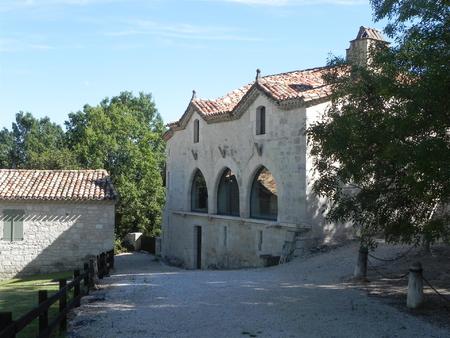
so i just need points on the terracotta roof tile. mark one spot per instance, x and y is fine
(300, 84)
(17, 184)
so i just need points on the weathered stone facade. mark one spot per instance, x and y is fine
(229, 139)
(57, 235)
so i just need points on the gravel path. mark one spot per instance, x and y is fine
(305, 298)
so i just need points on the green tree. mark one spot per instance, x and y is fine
(124, 136)
(34, 144)
(382, 150)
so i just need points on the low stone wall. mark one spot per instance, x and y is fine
(227, 242)
(57, 236)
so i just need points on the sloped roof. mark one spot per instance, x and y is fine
(76, 185)
(369, 33)
(302, 85)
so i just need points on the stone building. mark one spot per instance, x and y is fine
(52, 220)
(239, 174)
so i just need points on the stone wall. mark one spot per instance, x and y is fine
(284, 154)
(57, 236)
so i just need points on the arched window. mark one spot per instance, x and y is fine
(196, 131)
(263, 198)
(228, 194)
(199, 193)
(261, 120)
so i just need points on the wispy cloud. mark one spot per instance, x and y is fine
(181, 31)
(16, 45)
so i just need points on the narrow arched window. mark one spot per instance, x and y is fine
(199, 193)
(228, 194)
(196, 131)
(264, 198)
(261, 120)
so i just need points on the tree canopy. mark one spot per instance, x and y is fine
(382, 150)
(122, 135)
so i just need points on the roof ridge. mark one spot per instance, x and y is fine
(298, 71)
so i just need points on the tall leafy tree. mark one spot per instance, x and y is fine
(382, 150)
(34, 144)
(124, 135)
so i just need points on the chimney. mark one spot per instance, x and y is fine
(358, 52)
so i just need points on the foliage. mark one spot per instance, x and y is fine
(34, 144)
(382, 150)
(124, 136)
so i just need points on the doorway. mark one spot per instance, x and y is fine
(198, 246)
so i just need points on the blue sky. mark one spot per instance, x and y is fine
(57, 55)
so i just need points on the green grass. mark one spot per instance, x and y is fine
(21, 295)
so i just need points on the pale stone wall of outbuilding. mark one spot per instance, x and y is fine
(57, 236)
(284, 154)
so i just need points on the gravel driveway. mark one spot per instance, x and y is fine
(304, 298)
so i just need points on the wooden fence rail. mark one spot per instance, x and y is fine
(9, 327)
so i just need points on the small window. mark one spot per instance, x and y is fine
(263, 198)
(261, 120)
(196, 131)
(228, 194)
(199, 193)
(260, 240)
(13, 225)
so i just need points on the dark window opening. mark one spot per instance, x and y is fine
(199, 193)
(228, 194)
(264, 198)
(261, 121)
(196, 131)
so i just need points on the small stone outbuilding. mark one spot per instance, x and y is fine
(53, 220)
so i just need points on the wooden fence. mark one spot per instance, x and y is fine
(99, 267)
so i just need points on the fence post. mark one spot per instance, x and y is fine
(93, 271)
(361, 264)
(99, 267)
(112, 259)
(76, 287)
(63, 304)
(5, 320)
(86, 277)
(415, 286)
(43, 317)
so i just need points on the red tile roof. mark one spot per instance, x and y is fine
(302, 86)
(77, 185)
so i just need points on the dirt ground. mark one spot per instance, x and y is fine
(308, 297)
(385, 284)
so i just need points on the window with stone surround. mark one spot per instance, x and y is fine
(264, 198)
(261, 120)
(228, 194)
(196, 131)
(13, 225)
(199, 193)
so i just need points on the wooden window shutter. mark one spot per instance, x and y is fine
(7, 226)
(18, 226)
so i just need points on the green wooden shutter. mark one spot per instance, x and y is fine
(7, 226)
(18, 226)
(13, 225)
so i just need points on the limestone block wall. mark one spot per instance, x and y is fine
(227, 242)
(231, 144)
(57, 236)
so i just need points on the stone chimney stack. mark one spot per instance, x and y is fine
(358, 52)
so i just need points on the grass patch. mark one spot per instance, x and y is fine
(21, 295)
